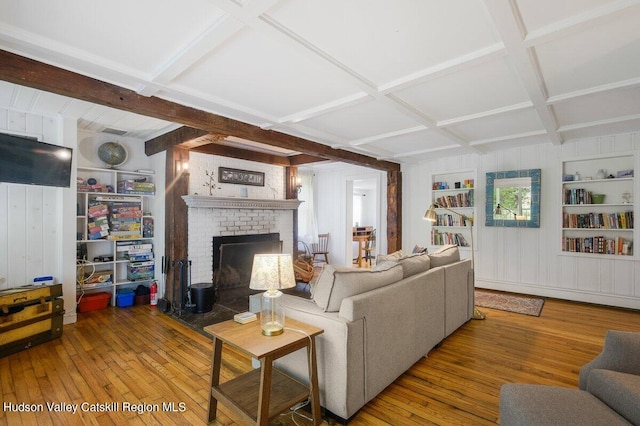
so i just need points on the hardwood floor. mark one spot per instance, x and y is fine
(138, 356)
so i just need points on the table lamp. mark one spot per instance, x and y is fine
(272, 272)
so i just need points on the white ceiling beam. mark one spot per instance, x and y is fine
(508, 21)
(370, 87)
(459, 63)
(597, 123)
(618, 85)
(382, 136)
(212, 38)
(428, 121)
(509, 137)
(424, 151)
(578, 22)
(484, 114)
(326, 108)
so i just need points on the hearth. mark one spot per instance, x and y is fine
(233, 257)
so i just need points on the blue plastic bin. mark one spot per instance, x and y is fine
(125, 297)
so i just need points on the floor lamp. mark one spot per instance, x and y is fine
(431, 215)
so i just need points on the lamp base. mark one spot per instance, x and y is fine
(270, 329)
(271, 313)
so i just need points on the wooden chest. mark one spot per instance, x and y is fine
(29, 315)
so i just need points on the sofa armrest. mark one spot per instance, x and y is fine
(619, 353)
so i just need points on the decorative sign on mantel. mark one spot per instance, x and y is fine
(240, 177)
(203, 201)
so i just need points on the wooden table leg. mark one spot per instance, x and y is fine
(215, 377)
(360, 247)
(313, 383)
(264, 395)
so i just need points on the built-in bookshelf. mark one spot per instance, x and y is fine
(454, 191)
(114, 242)
(597, 206)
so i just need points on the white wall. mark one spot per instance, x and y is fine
(333, 196)
(201, 164)
(529, 260)
(37, 223)
(368, 201)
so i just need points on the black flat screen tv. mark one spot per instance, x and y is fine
(27, 161)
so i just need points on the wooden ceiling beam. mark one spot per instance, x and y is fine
(302, 159)
(207, 143)
(242, 154)
(38, 75)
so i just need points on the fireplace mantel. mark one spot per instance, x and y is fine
(205, 201)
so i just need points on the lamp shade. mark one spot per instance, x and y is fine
(430, 214)
(272, 272)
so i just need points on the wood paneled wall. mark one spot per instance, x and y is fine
(529, 260)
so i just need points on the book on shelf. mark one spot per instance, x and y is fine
(461, 199)
(439, 238)
(598, 245)
(620, 220)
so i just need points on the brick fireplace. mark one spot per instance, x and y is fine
(227, 216)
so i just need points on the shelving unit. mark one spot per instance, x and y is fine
(455, 190)
(114, 219)
(591, 227)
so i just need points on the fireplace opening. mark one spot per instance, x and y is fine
(233, 257)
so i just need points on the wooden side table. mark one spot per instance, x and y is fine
(264, 393)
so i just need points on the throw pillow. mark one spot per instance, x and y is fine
(384, 265)
(336, 283)
(414, 263)
(419, 249)
(444, 256)
(392, 257)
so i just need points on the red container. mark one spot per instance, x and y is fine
(94, 301)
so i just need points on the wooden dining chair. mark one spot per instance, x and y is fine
(370, 247)
(321, 248)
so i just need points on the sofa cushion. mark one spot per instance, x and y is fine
(620, 391)
(336, 283)
(391, 257)
(414, 263)
(523, 405)
(444, 256)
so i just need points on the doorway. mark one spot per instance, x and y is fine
(364, 213)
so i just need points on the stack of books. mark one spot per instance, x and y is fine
(141, 264)
(98, 225)
(125, 220)
(136, 187)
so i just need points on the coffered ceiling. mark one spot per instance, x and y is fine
(402, 80)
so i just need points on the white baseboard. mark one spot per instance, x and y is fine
(629, 302)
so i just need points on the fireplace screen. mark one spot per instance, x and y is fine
(236, 261)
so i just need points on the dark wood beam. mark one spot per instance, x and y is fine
(394, 211)
(173, 138)
(175, 221)
(28, 72)
(243, 154)
(302, 159)
(208, 143)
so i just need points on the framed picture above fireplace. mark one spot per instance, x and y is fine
(240, 177)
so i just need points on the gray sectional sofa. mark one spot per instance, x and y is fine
(377, 323)
(608, 394)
